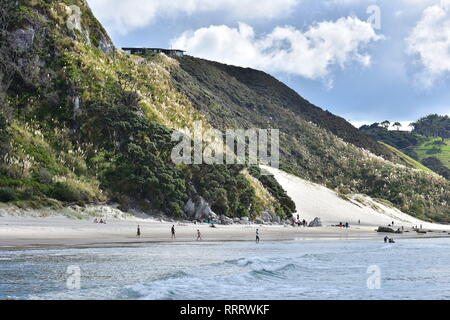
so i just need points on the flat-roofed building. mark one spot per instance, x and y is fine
(142, 51)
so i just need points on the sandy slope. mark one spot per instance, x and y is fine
(313, 200)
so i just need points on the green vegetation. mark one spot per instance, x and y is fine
(413, 163)
(432, 151)
(313, 149)
(95, 125)
(433, 147)
(433, 126)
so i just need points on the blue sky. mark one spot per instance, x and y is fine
(364, 60)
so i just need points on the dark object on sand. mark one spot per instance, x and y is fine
(421, 231)
(315, 223)
(385, 229)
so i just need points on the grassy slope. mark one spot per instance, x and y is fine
(413, 163)
(418, 147)
(428, 147)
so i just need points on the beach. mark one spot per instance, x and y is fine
(65, 231)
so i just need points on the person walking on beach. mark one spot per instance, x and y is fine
(257, 235)
(138, 234)
(385, 239)
(173, 232)
(199, 235)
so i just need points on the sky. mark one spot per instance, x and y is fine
(364, 60)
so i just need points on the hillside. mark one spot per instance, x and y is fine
(82, 122)
(431, 151)
(309, 149)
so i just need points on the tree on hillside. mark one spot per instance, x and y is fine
(386, 124)
(398, 125)
(433, 125)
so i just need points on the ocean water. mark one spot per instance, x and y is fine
(408, 269)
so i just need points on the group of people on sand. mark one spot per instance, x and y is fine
(387, 239)
(300, 223)
(344, 225)
(99, 221)
(199, 234)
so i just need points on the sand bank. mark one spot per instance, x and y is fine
(64, 231)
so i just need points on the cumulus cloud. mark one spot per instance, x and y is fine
(309, 53)
(122, 16)
(430, 42)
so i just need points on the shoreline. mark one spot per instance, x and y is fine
(62, 232)
(69, 227)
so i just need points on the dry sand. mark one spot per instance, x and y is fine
(64, 231)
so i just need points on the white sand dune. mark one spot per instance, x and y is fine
(313, 200)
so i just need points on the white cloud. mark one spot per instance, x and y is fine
(122, 16)
(310, 54)
(430, 42)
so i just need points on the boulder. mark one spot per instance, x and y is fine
(199, 209)
(189, 208)
(236, 220)
(225, 220)
(385, 229)
(276, 219)
(315, 223)
(259, 221)
(266, 216)
(244, 220)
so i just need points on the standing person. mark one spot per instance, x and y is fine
(199, 235)
(138, 233)
(257, 235)
(173, 232)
